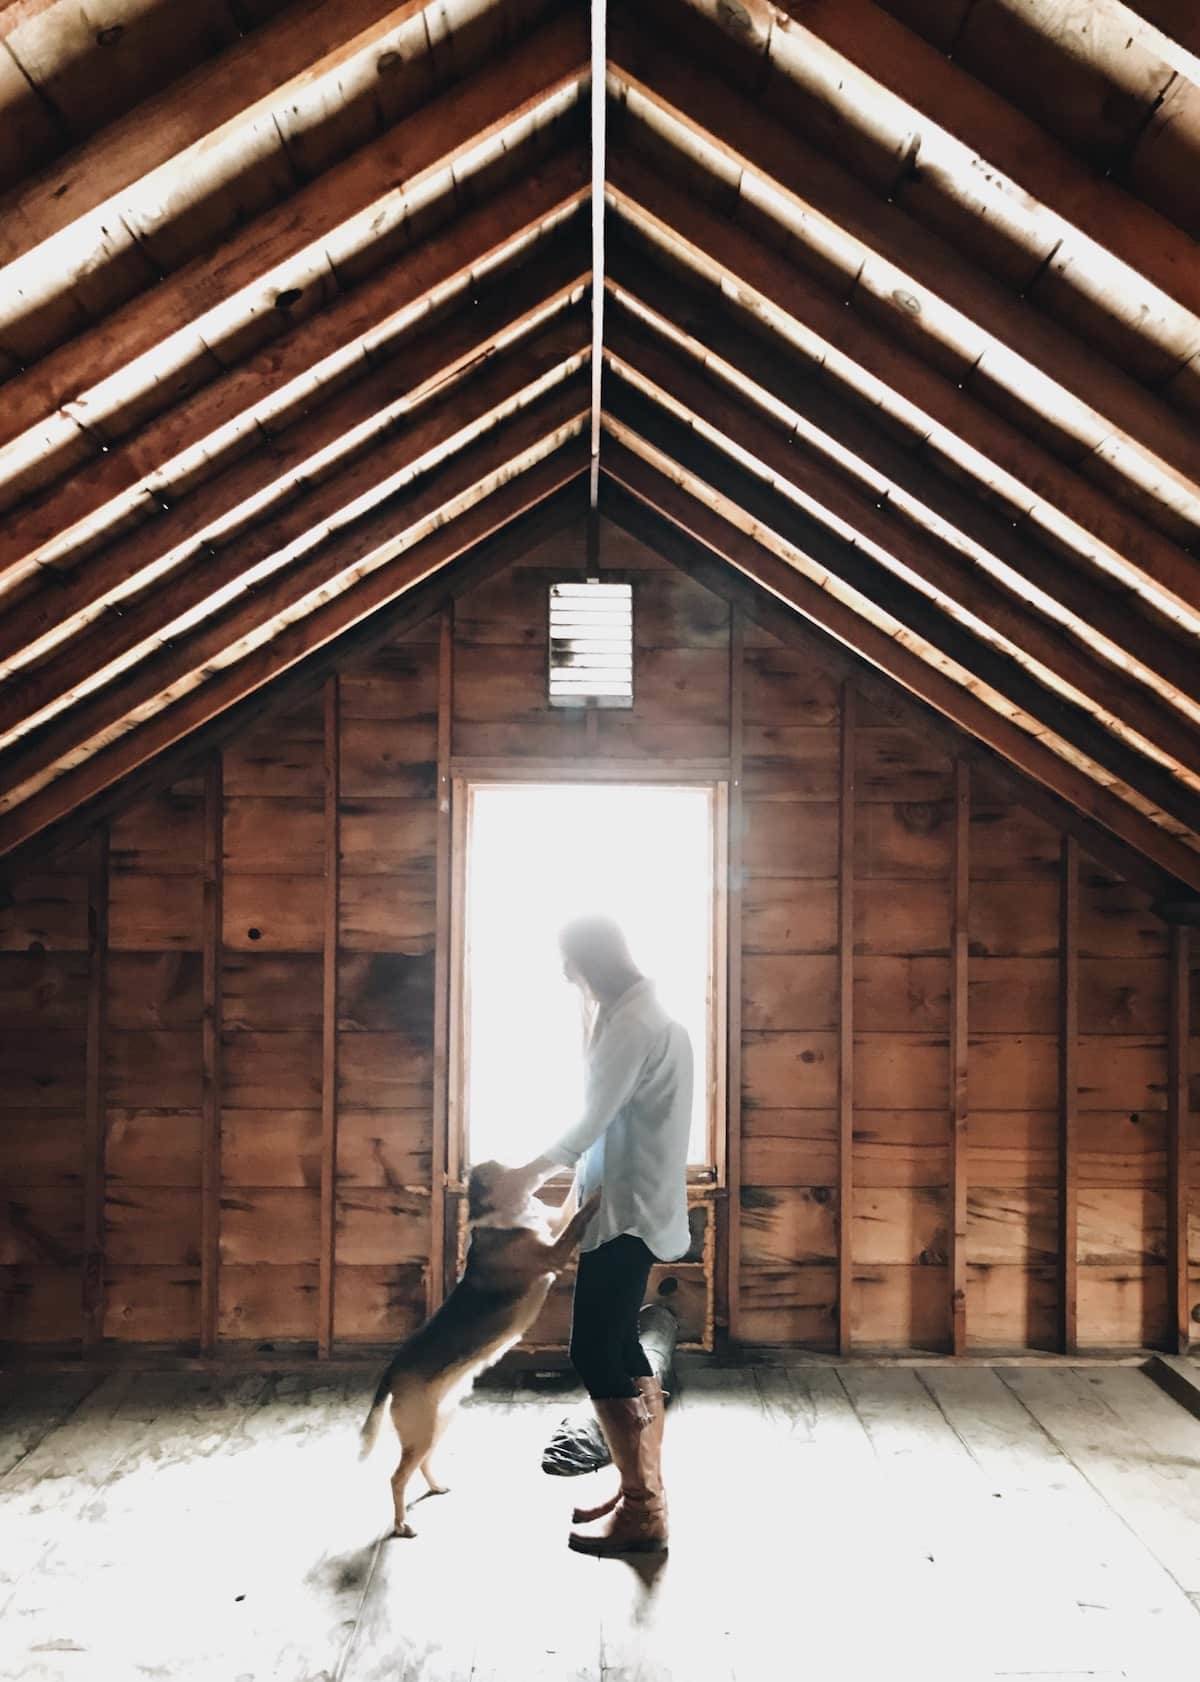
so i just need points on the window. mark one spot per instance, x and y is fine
(591, 644)
(534, 855)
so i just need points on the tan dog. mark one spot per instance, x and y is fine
(516, 1252)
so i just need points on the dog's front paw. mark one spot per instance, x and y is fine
(405, 1531)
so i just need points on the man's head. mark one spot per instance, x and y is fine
(596, 956)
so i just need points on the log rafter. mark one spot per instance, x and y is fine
(85, 383)
(554, 497)
(520, 312)
(53, 527)
(546, 408)
(1103, 416)
(736, 537)
(869, 336)
(1071, 227)
(959, 587)
(840, 565)
(1010, 465)
(154, 150)
(506, 495)
(694, 317)
(903, 707)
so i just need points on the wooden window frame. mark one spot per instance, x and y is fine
(469, 777)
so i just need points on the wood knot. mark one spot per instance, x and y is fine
(734, 15)
(920, 817)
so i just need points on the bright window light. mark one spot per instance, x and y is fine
(536, 857)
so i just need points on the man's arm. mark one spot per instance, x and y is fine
(613, 1070)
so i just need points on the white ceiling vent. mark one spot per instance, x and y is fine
(591, 644)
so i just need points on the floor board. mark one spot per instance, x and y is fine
(956, 1524)
(1110, 1436)
(31, 1405)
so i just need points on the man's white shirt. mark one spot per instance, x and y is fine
(631, 1141)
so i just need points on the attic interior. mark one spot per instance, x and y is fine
(853, 351)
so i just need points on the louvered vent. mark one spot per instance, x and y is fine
(591, 645)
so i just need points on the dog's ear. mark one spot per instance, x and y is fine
(479, 1190)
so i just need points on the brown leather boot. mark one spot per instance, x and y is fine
(638, 1521)
(655, 1398)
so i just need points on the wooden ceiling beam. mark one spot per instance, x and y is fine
(1110, 421)
(1074, 226)
(842, 564)
(676, 492)
(142, 158)
(349, 624)
(1178, 23)
(694, 315)
(964, 591)
(187, 553)
(766, 608)
(265, 390)
(13, 13)
(86, 381)
(522, 419)
(1009, 464)
(560, 510)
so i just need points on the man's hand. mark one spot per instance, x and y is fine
(514, 1185)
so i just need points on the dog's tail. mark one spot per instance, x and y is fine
(369, 1434)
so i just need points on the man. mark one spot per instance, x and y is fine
(631, 1144)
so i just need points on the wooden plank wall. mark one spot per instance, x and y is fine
(44, 985)
(386, 936)
(788, 1278)
(903, 867)
(218, 1018)
(1124, 981)
(1014, 1167)
(153, 1097)
(273, 852)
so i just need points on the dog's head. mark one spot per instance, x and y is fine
(487, 1199)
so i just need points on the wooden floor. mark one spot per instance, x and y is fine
(828, 1522)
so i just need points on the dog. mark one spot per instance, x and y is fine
(515, 1254)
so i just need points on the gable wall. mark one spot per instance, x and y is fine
(110, 959)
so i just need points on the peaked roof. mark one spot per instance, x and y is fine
(900, 322)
